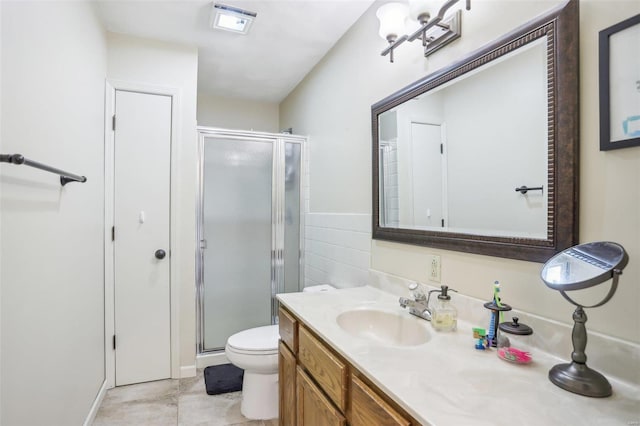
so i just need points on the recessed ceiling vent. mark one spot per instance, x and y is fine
(229, 18)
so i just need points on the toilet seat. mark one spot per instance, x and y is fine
(255, 341)
(249, 352)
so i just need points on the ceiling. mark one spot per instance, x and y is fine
(286, 40)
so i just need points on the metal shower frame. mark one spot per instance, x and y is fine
(277, 217)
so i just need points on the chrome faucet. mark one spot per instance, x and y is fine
(419, 306)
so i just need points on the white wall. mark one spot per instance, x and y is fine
(51, 269)
(353, 76)
(239, 114)
(175, 66)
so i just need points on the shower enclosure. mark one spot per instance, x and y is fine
(250, 230)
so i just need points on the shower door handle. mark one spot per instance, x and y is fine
(160, 254)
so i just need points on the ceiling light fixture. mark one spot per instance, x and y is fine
(434, 32)
(229, 18)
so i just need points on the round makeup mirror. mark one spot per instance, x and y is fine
(576, 268)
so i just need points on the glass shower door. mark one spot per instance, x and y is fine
(237, 210)
(292, 216)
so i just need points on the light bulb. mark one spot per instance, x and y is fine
(392, 18)
(418, 10)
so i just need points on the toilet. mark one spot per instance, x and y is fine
(256, 351)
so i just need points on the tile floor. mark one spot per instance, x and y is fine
(182, 402)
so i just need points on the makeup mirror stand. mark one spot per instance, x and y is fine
(577, 268)
(576, 376)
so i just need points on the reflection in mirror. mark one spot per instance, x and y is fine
(482, 156)
(450, 159)
(584, 266)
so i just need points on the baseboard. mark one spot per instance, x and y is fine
(96, 405)
(187, 371)
(215, 358)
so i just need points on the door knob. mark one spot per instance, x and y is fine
(160, 254)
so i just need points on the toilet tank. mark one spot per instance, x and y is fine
(318, 288)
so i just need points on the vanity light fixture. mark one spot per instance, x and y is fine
(434, 33)
(229, 18)
(393, 18)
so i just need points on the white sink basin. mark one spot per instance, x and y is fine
(384, 327)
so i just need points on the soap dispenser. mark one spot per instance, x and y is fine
(444, 316)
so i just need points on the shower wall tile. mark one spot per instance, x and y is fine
(332, 252)
(348, 222)
(314, 276)
(354, 240)
(337, 249)
(337, 274)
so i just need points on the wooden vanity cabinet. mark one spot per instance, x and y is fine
(319, 388)
(328, 370)
(368, 408)
(287, 385)
(312, 407)
(288, 329)
(287, 352)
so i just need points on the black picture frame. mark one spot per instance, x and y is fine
(623, 124)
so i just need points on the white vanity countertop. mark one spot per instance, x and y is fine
(447, 382)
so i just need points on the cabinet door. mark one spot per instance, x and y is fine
(288, 328)
(368, 408)
(313, 408)
(329, 371)
(287, 386)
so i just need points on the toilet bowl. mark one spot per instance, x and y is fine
(256, 351)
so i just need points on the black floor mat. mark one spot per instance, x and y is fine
(223, 378)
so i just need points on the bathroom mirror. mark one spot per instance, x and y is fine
(481, 156)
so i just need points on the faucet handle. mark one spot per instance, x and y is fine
(416, 292)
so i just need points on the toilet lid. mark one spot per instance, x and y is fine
(256, 339)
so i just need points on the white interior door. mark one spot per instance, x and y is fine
(142, 150)
(427, 169)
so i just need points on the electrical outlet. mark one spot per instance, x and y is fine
(434, 268)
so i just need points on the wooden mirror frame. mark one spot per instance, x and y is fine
(561, 26)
